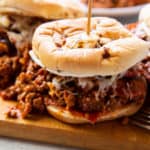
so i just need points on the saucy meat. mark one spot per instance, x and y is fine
(9, 69)
(15, 43)
(98, 97)
(30, 89)
(36, 88)
(9, 62)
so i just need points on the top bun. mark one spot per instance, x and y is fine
(64, 48)
(144, 15)
(48, 9)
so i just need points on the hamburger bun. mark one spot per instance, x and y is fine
(69, 117)
(48, 9)
(64, 48)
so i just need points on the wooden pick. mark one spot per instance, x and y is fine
(89, 17)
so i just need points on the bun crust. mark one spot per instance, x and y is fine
(68, 117)
(48, 9)
(64, 48)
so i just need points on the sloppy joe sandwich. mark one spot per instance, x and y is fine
(142, 30)
(23, 17)
(50, 9)
(18, 20)
(94, 77)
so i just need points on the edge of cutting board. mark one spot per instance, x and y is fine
(110, 135)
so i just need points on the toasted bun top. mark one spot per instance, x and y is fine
(64, 48)
(144, 15)
(48, 9)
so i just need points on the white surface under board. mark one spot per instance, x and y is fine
(14, 144)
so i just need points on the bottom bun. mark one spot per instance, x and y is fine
(78, 118)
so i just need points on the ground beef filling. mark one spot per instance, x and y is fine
(9, 61)
(9, 68)
(36, 88)
(144, 68)
(15, 43)
(123, 91)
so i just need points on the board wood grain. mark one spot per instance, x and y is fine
(110, 135)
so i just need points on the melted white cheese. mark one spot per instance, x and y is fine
(56, 83)
(85, 83)
(104, 83)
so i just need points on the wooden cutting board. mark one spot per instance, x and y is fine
(103, 136)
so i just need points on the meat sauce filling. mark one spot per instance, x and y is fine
(36, 88)
(15, 42)
(9, 61)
